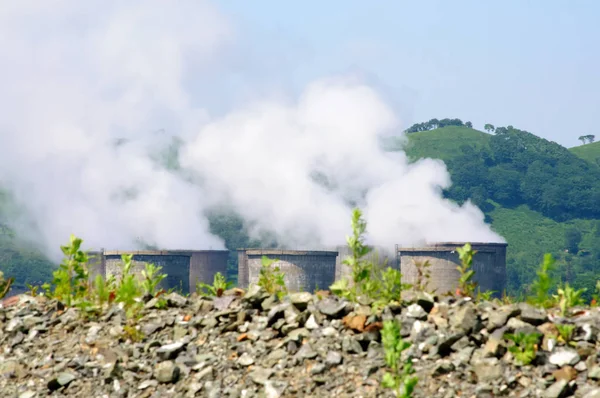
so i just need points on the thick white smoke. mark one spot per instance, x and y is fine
(77, 77)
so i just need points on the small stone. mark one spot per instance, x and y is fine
(567, 373)
(63, 379)
(488, 369)
(564, 356)
(594, 373)
(351, 345)
(274, 389)
(532, 315)
(465, 318)
(317, 369)
(27, 394)
(499, 317)
(146, 384)
(557, 390)
(166, 372)
(333, 358)
(301, 299)
(331, 307)
(261, 375)
(169, 351)
(442, 368)
(311, 323)
(416, 311)
(245, 359)
(595, 393)
(176, 300)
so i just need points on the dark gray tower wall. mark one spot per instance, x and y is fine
(96, 264)
(489, 264)
(204, 264)
(379, 255)
(242, 269)
(175, 264)
(303, 270)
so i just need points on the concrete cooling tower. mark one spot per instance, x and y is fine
(381, 256)
(304, 270)
(489, 264)
(183, 267)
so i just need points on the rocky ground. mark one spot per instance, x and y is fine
(253, 345)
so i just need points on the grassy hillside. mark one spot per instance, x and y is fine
(530, 235)
(589, 152)
(443, 143)
(489, 168)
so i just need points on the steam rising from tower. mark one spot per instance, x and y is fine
(85, 93)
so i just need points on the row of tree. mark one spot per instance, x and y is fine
(589, 138)
(436, 124)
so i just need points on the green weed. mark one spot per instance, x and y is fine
(466, 287)
(400, 379)
(271, 278)
(524, 347)
(5, 285)
(220, 284)
(567, 298)
(541, 287)
(565, 334)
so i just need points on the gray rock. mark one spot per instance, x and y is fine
(557, 390)
(62, 380)
(465, 319)
(245, 359)
(333, 358)
(331, 307)
(260, 375)
(488, 369)
(499, 317)
(169, 351)
(564, 356)
(595, 393)
(166, 372)
(311, 323)
(176, 300)
(416, 311)
(301, 300)
(532, 315)
(351, 346)
(594, 373)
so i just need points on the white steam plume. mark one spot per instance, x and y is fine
(77, 76)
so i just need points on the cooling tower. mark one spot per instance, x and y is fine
(489, 264)
(183, 267)
(304, 270)
(379, 255)
(204, 264)
(96, 264)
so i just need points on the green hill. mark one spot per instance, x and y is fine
(589, 152)
(537, 194)
(443, 143)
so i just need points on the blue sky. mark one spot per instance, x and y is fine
(531, 64)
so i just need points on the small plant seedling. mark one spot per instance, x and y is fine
(524, 348)
(423, 275)
(400, 379)
(152, 278)
(271, 278)
(5, 285)
(220, 284)
(466, 287)
(565, 334)
(70, 280)
(541, 287)
(568, 298)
